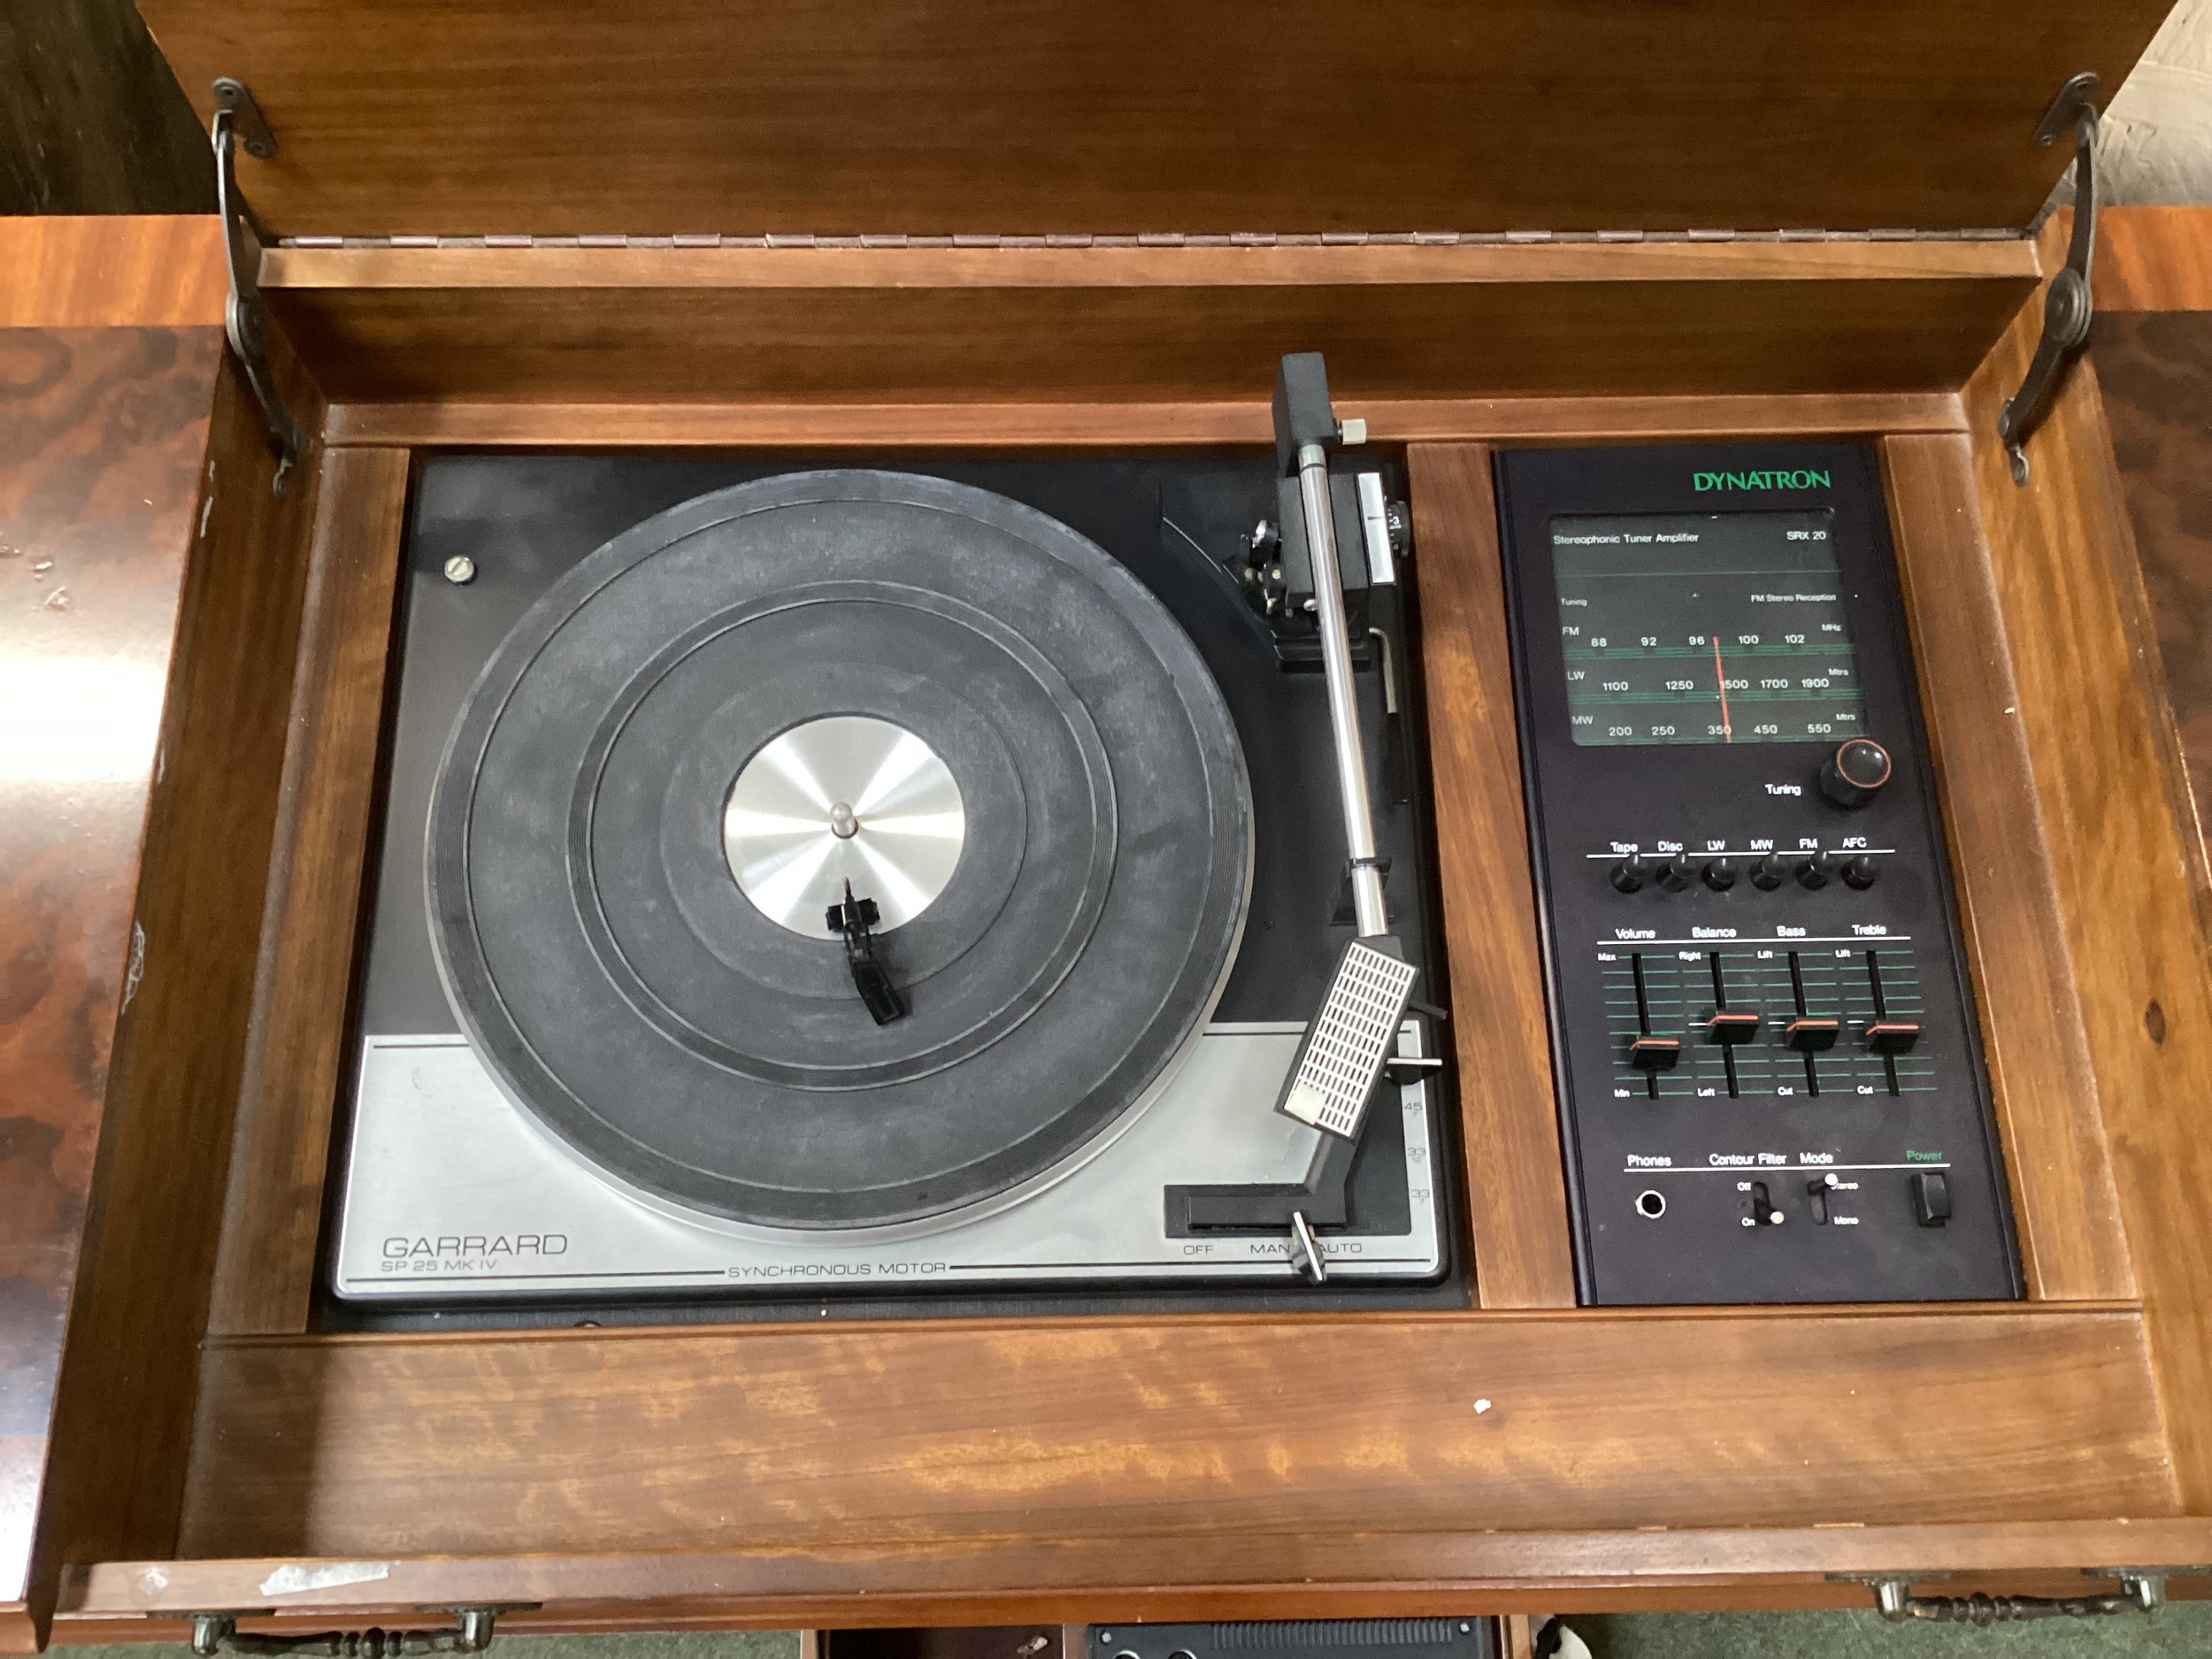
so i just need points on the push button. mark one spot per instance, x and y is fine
(1769, 872)
(1720, 874)
(1628, 875)
(1673, 874)
(1931, 1198)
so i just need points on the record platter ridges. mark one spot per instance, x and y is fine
(847, 876)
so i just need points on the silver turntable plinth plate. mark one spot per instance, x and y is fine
(452, 1192)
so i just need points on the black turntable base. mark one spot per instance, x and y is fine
(667, 730)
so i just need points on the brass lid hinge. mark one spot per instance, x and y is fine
(238, 120)
(2068, 309)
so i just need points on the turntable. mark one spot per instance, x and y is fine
(891, 874)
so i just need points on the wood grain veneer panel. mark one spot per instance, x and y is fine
(468, 116)
(630, 269)
(911, 1431)
(145, 272)
(877, 426)
(2128, 862)
(2152, 259)
(2072, 1244)
(1258, 1574)
(1500, 1029)
(101, 431)
(265, 1270)
(131, 1367)
(2156, 374)
(1177, 334)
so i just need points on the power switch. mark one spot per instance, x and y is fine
(1931, 1198)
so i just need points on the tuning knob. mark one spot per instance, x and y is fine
(1856, 773)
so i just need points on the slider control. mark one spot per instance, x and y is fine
(1728, 1026)
(1648, 1054)
(1809, 1033)
(1812, 1033)
(1892, 1036)
(1732, 1025)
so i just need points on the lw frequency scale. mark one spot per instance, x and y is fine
(1769, 1077)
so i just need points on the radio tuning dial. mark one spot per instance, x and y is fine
(1856, 773)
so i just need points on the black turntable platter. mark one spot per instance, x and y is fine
(709, 725)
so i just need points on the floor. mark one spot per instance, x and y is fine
(2185, 1629)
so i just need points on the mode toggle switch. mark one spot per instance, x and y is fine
(1820, 1189)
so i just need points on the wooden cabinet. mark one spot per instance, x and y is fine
(677, 228)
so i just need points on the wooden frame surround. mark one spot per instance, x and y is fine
(938, 1470)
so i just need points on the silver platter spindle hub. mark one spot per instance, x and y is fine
(844, 798)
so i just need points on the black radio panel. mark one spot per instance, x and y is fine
(1771, 1083)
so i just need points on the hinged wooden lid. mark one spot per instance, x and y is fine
(1036, 117)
